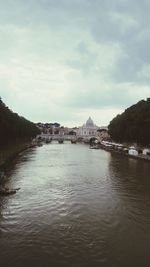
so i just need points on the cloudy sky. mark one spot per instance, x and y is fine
(66, 60)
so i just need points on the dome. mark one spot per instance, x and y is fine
(89, 122)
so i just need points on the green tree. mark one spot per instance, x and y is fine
(14, 127)
(133, 125)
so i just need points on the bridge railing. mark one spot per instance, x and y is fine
(67, 137)
(57, 136)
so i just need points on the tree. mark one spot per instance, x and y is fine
(133, 125)
(14, 127)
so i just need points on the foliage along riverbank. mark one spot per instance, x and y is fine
(7, 155)
(133, 125)
(16, 133)
(8, 152)
(14, 127)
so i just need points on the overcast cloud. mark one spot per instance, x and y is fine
(65, 60)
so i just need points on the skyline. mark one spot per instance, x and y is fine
(67, 60)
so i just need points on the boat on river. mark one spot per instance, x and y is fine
(73, 141)
(39, 144)
(4, 191)
(48, 141)
(60, 141)
(94, 147)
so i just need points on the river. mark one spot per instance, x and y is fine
(76, 207)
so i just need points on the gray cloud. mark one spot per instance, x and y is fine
(120, 96)
(74, 54)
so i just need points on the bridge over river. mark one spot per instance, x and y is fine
(57, 137)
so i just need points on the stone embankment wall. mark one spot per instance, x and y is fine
(9, 151)
(139, 156)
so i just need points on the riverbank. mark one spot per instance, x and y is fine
(9, 151)
(140, 156)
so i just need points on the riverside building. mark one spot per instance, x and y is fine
(90, 129)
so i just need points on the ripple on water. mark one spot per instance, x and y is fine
(76, 207)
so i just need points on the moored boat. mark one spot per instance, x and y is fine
(39, 144)
(4, 191)
(94, 147)
(60, 141)
(48, 141)
(73, 141)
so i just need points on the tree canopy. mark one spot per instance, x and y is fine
(13, 126)
(133, 125)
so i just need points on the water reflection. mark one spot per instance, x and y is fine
(130, 179)
(76, 207)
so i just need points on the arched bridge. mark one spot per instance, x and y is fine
(57, 137)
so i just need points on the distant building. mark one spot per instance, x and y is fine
(49, 128)
(102, 133)
(87, 129)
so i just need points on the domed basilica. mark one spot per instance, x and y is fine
(88, 129)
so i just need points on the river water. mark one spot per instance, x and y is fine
(76, 207)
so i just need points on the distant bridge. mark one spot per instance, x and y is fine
(57, 137)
